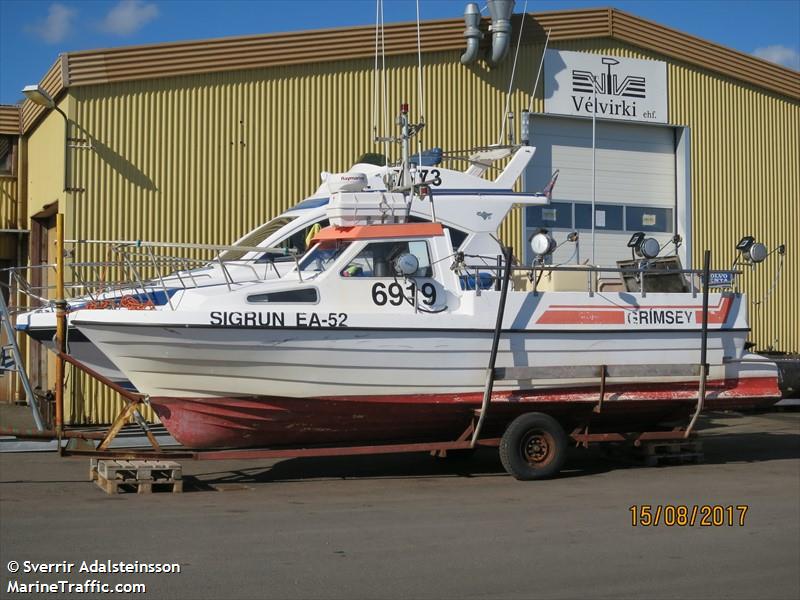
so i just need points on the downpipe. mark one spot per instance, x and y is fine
(501, 11)
(472, 19)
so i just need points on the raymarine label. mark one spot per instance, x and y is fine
(655, 316)
(610, 87)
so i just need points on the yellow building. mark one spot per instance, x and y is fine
(202, 141)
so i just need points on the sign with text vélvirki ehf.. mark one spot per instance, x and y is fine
(611, 87)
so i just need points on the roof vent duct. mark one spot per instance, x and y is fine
(472, 19)
(501, 11)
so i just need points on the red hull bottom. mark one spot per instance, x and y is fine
(241, 422)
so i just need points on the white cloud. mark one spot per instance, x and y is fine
(128, 16)
(783, 55)
(56, 25)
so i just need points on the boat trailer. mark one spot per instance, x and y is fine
(543, 438)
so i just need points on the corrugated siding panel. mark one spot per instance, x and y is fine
(205, 158)
(745, 180)
(9, 119)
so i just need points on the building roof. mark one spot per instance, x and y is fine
(93, 67)
(10, 119)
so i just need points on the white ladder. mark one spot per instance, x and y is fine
(12, 362)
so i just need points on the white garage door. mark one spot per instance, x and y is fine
(635, 178)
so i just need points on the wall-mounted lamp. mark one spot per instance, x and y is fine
(37, 95)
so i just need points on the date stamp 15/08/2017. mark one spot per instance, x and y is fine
(684, 515)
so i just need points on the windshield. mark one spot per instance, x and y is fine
(256, 237)
(322, 256)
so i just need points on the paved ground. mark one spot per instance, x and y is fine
(416, 527)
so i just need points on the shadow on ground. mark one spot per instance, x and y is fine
(721, 435)
(484, 463)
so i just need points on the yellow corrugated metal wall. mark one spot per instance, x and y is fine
(204, 158)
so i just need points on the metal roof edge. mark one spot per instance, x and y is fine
(10, 119)
(170, 59)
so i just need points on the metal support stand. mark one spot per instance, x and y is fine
(18, 365)
(132, 403)
(61, 325)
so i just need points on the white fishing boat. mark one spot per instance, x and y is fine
(344, 352)
(377, 336)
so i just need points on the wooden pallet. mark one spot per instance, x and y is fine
(671, 452)
(141, 476)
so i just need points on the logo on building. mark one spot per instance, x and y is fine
(608, 83)
(607, 87)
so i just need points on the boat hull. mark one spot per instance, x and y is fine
(276, 378)
(196, 362)
(82, 350)
(239, 422)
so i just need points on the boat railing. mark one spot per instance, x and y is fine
(692, 278)
(135, 270)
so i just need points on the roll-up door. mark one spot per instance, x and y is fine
(635, 185)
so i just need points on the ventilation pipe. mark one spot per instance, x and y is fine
(472, 18)
(500, 11)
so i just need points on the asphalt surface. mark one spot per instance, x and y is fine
(413, 526)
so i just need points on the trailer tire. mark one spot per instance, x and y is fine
(534, 446)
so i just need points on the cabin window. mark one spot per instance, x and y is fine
(457, 236)
(322, 256)
(255, 237)
(305, 295)
(297, 243)
(376, 259)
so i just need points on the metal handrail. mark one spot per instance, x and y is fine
(135, 259)
(591, 286)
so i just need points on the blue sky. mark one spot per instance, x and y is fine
(34, 32)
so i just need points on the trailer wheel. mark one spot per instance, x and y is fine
(534, 446)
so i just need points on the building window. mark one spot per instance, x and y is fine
(553, 215)
(8, 146)
(607, 216)
(639, 218)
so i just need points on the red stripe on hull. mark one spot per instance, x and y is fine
(580, 315)
(271, 421)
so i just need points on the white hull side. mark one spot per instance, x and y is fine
(215, 361)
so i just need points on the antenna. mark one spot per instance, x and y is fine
(539, 72)
(513, 72)
(420, 87)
